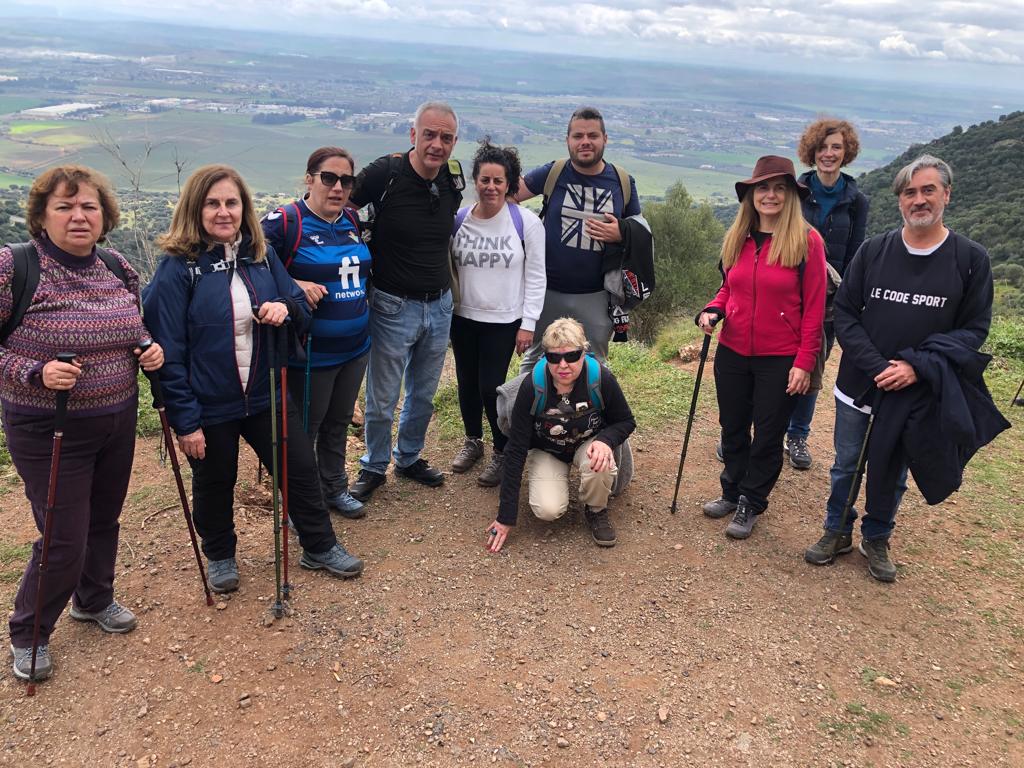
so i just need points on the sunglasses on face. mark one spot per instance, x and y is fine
(570, 357)
(329, 179)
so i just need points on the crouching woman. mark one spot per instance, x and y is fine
(569, 411)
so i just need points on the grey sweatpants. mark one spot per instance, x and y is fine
(589, 309)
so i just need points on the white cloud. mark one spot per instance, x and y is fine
(976, 31)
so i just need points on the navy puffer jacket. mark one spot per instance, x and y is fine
(844, 228)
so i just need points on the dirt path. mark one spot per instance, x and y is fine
(677, 647)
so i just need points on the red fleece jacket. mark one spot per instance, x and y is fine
(767, 310)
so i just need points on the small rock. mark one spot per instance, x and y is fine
(216, 678)
(884, 682)
(244, 703)
(349, 763)
(677, 546)
(663, 714)
(939, 716)
(602, 716)
(562, 742)
(143, 711)
(221, 606)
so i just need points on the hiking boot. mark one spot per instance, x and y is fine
(720, 507)
(223, 575)
(743, 520)
(879, 564)
(828, 548)
(600, 527)
(346, 505)
(491, 476)
(799, 454)
(23, 662)
(421, 472)
(364, 486)
(718, 452)
(468, 455)
(336, 561)
(115, 618)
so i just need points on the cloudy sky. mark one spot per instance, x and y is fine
(958, 40)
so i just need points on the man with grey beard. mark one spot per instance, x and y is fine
(915, 305)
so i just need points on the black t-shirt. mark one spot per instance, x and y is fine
(412, 227)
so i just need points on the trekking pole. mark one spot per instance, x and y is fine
(277, 609)
(158, 404)
(51, 499)
(1017, 399)
(286, 589)
(306, 395)
(705, 346)
(862, 460)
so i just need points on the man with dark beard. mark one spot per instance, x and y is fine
(911, 314)
(584, 200)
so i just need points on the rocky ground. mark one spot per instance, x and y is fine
(676, 647)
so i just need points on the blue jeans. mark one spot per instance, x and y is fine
(800, 421)
(848, 437)
(409, 339)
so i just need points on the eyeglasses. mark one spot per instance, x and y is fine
(570, 357)
(329, 179)
(435, 197)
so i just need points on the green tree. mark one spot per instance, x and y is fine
(687, 239)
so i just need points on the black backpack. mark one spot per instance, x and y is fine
(25, 280)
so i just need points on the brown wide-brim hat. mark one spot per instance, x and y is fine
(768, 167)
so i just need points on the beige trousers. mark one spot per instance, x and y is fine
(549, 482)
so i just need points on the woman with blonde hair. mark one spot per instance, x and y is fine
(771, 302)
(570, 411)
(207, 303)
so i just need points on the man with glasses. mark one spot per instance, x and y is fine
(415, 197)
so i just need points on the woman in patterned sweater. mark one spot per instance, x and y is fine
(78, 306)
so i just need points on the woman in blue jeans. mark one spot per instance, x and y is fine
(839, 211)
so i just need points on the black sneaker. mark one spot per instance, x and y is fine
(828, 548)
(879, 564)
(600, 527)
(364, 486)
(799, 454)
(421, 472)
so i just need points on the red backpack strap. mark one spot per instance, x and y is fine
(350, 214)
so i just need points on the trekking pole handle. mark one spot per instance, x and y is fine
(154, 378)
(63, 395)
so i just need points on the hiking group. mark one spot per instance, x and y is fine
(333, 298)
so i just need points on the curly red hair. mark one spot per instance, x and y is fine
(814, 136)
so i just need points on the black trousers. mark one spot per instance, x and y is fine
(214, 478)
(752, 392)
(482, 353)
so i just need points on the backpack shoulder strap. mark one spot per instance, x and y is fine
(23, 285)
(460, 219)
(113, 264)
(291, 220)
(349, 214)
(549, 183)
(517, 222)
(594, 381)
(540, 387)
(627, 188)
(962, 254)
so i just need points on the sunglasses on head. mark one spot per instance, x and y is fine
(329, 179)
(570, 357)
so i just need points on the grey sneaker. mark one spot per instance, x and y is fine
(600, 527)
(347, 505)
(223, 575)
(799, 454)
(468, 455)
(828, 548)
(719, 507)
(336, 561)
(23, 662)
(115, 618)
(491, 476)
(743, 520)
(879, 564)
